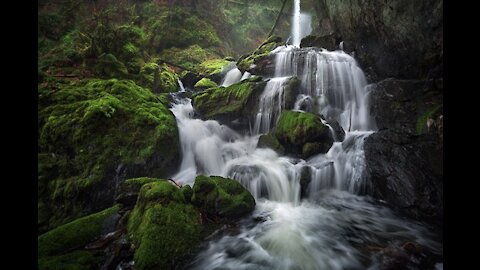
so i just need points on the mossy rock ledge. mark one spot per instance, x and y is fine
(94, 134)
(303, 134)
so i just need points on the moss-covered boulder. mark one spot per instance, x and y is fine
(94, 134)
(303, 133)
(163, 227)
(159, 78)
(233, 105)
(205, 83)
(270, 141)
(76, 234)
(248, 62)
(63, 247)
(214, 69)
(128, 190)
(222, 197)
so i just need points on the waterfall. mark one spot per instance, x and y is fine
(301, 24)
(180, 85)
(272, 102)
(296, 23)
(332, 225)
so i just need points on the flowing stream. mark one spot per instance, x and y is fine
(334, 226)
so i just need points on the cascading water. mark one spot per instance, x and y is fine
(333, 227)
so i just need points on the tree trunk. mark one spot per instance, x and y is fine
(278, 18)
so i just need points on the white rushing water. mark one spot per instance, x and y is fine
(301, 24)
(332, 227)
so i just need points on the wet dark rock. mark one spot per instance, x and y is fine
(327, 42)
(337, 129)
(305, 179)
(407, 172)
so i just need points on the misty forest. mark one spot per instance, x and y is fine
(236, 134)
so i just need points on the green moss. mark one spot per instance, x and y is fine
(163, 228)
(422, 120)
(75, 234)
(88, 128)
(263, 50)
(189, 57)
(269, 141)
(298, 128)
(212, 67)
(218, 101)
(222, 197)
(205, 83)
(187, 193)
(160, 79)
(77, 260)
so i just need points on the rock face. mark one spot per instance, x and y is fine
(94, 134)
(233, 106)
(404, 158)
(402, 39)
(303, 133)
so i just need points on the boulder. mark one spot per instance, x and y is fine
(204, 84)
(270, 141)
(234, 105)
(127, 192)
(222, 197)
(163, 227)
(295, 129)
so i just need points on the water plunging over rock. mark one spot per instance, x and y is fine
(309, 214)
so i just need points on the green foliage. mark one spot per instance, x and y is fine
(298, 128)
(422, 120)
(109, 67)
(87, 128)
(179, 28)
(189, 57)
(223, 197)
(205, 83)
(227, 100)
(76, 260)
(73, 235)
